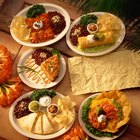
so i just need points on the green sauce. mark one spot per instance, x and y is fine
(34, 106)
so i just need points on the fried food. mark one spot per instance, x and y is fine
(108, 22)
(109, 111)
(5, 64)
(43, 34)
(51, 67)
(19, 28)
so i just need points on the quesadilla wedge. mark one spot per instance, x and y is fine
(37, 127)
(26, 123)
(47, 127)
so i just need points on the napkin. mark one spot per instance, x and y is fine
(118, 70)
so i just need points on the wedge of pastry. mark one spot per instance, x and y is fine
(51, 67)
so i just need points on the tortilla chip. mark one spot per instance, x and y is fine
(65, 117)
(55, 123)
(108, 22)
(66, 103)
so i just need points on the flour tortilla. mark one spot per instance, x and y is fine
(47, 127)
(83, 42)
(118, 70)
(37, 128)
(26, 122)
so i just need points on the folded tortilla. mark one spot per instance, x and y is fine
(27, 122)
(37, 127)
(47, 127)
(83, 42)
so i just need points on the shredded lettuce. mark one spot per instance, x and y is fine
(96, 49)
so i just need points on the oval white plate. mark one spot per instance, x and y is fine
(31, 135)
(32, 83)
(117, 43)
(85, 129)
(48, 7)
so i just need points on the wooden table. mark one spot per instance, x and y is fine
(6, 129)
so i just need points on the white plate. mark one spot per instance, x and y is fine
(90, 134)
(117, 43)
(31, 135)
(48, 7)
(39, 85)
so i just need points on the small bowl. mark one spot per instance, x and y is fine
(92, 28)
(53, 109)
(34, 106)
(45, 101)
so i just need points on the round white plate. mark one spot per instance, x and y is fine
(39, 85)
(31, 135)
(90, 134)
(117, 43)
(48, 7)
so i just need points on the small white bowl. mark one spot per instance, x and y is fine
(45, 101)
(56, 107)
(92, 28)
(36, 103)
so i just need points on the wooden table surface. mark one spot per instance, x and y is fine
(6, 129)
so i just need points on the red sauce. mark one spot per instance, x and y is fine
(109, 111)
(93, 120)
(92, 27)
